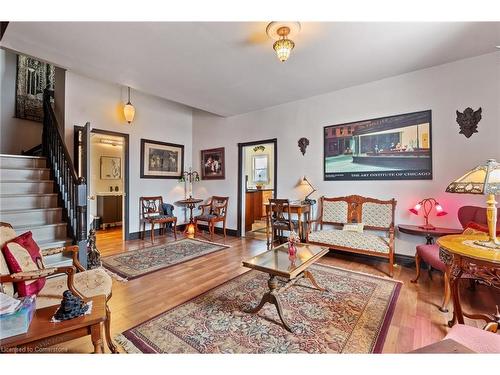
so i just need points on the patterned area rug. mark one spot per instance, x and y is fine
(136, 263)
(352, 316)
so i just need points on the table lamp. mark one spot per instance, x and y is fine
(484, 179)
(428, 204)
(305, 181)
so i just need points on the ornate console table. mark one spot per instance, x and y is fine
(462, 256)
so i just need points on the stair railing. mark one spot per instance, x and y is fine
(72, 189)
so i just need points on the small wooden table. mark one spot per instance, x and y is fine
(428, 233)
(43, 333)
(301, 209)
(462, 256)
(190, 203)
(277, 262)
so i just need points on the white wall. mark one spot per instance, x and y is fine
(101, 104)
(473, 82)
(16, 135)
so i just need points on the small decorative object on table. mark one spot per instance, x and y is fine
(293, 239)
(93, 255)
(71, 307)
(18, 321)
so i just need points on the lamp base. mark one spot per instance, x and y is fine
(491, 244)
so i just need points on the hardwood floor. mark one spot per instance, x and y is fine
(416, 322)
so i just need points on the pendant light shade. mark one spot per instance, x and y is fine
(129, 110)
(282, 33)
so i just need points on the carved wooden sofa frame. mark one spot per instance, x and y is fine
(69, 271)
(355, 215)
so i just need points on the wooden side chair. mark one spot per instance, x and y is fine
(154, 211)
(279, 219)
(213, 212)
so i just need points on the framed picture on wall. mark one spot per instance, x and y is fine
(161, 159)
(111, 168)
(388, 148)
(213, 164)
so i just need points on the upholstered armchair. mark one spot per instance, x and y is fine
(83, 283)
(213, 212)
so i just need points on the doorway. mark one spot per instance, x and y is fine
(102, 158)
(257, 182)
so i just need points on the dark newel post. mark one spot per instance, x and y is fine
(81, 231)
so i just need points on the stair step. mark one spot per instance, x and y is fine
(57, 242)
(58, 260)
(34, 217)
(28, 201)
(21, 187)
(22, 161)
(24, 173)
(44, 233)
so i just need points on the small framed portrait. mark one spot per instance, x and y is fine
(213, 164)
(161, 159)
(111, 168)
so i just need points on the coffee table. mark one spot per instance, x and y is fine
(43, 333)
(277, 263)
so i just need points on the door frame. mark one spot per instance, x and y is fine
(126, 182)
(274, 141)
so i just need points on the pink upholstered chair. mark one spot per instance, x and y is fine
(478, 340)
(430, 253)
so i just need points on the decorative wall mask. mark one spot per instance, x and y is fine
(303, 143)
(468, 121)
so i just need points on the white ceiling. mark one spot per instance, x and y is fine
(229, 68)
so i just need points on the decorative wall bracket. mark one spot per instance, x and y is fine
(303, 143)
(468, 121)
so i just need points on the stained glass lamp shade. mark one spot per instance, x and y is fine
(484, 179)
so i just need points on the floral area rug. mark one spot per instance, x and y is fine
(352, 316)
(136, 263)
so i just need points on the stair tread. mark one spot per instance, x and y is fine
(29, 210)
(24, 168)
(52, 243)
(36, 226)
(26, 194)
(26, 181)
(22, 156)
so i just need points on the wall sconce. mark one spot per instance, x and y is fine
(129, 110)
(428, 204)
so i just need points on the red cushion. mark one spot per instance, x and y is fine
(479, 227)
(430, 255)
(23, 254)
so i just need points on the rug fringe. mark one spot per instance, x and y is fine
(115, 275)
(126, 344)
(206, 241)
(387, 278)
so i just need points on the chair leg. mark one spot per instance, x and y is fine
(224, 226)
(175, 229)
(211, 229)
(447, 293)
(152, 232)
(391, 264)
(143, 230)
(107, 331)
(417, 265)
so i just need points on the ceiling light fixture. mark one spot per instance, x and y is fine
(281, 32)
(129, 110)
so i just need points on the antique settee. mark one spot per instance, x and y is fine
(374, 234)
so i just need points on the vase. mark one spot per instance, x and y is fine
(291, 249)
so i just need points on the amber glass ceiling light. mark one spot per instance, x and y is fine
(282, 31)
(129, 110)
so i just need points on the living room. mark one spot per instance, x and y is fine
(237, 186)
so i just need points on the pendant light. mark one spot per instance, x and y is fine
(281, 32)
(129, 110)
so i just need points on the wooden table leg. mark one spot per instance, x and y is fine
(457, 308)
(97, 341)
(309, 276)
(267, 228)
(272, 298)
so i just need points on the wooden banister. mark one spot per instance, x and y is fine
(72, 189)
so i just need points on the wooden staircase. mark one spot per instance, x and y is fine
(29, 201)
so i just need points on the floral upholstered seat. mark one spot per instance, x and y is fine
(351, 240)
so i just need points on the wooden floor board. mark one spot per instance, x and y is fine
(416, 322)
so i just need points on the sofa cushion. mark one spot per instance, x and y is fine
(89, 283)
(353, 240)
(335, 211)
(22, 254)
(354, 227)
(6, 234)
(475, 338)
(376, 214)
